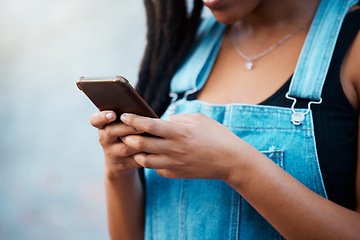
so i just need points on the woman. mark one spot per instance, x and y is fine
(236, 156)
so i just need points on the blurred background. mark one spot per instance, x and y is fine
(51, 165)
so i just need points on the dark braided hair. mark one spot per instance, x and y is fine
(171, 31)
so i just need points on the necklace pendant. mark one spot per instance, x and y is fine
(249, 65)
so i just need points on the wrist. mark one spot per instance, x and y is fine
(246, 161)
(113, 175)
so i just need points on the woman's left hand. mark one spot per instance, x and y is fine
(188, 146)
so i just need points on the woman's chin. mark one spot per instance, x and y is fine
(225, 18)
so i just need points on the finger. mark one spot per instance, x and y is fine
(153, 126)
(122, 150)
(100, 119)
(187, 117)
(147, 144)
(152, 161)
(110, 133)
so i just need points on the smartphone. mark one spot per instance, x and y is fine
(116, 94)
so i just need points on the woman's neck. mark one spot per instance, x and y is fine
(280, 13)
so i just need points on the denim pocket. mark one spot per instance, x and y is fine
(276, 155)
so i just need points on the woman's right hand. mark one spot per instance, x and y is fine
(118, 156)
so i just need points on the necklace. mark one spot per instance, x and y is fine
(249, 60)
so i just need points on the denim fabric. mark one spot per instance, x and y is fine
(210, 209)
(319, 46)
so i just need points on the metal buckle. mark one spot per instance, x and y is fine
(297, 118)
(173, 96)
(175, 102)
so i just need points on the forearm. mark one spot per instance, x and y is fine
(125, 206)
(294, 210)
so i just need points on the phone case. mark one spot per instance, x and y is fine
(114, 93)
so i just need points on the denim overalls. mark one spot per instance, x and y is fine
(196, 209)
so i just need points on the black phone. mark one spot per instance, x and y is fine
(116, 94)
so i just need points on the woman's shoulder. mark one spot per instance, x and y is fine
(353, 66)
(350, 73)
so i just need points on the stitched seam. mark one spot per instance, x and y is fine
(244, 107)
(311, 164)
(155, 208)
(318, 181)
(237, 223)
(232, 216)
(271, 128)
(235, 216)
(181, 223)
(182, 211)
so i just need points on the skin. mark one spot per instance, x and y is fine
(183, 151)
(124, 190)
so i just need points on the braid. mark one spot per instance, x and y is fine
(166, 43)
(160, 10)
(145, 65)
(170, 34)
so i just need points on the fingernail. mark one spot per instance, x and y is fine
(123, 117)
(110, 116)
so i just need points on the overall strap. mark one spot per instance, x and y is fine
(316, 54)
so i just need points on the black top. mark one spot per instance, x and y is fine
(335, 122)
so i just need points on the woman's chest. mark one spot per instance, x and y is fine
(231, 82)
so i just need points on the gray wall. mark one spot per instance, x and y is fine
(51, 165)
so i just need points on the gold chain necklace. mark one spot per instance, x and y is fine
(249, 60)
